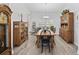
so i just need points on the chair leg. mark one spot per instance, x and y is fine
(42, 49)
(49, 48)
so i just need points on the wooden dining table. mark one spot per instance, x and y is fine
(38, 35)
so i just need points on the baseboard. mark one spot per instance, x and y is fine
(77, 48)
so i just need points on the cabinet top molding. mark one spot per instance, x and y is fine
(5, 8)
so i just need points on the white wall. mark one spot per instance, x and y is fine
(77, 32)
(54, 19)
(17, 9)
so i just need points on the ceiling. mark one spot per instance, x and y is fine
(45, 7)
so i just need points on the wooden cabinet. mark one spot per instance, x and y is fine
(19, 32)
(5, 30)
(67, 27)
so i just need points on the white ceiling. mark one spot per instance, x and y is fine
(45, 7)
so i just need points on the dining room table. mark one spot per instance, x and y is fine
(38, 35)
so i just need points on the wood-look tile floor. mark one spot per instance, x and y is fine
(61, 48)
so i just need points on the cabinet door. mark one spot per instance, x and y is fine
(2, 35)
(3, 23)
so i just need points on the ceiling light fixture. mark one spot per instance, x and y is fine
(45, 17)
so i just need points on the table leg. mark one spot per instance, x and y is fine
(37, 42)
(52, 41)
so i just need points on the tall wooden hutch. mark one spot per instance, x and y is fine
(5, 30)
(67, 27)
(20, 32)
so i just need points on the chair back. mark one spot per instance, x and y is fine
(45, 38)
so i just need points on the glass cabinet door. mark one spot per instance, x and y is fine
(2, 37)
(65, 19)
(3, 23)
